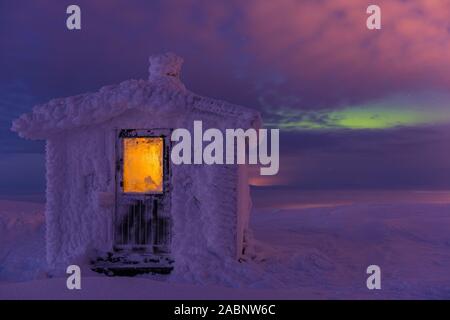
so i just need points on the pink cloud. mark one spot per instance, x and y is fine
(316, 40)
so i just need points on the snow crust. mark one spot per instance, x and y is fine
(166, 68)
(312, 253)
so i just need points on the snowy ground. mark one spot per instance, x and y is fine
(317, 252)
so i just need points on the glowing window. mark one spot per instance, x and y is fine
(143, 165)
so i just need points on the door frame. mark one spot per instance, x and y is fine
(122, 197)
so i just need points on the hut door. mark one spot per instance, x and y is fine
(142, 214)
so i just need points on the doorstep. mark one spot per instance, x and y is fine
(131, 264)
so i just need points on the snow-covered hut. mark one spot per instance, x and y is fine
(112, 188)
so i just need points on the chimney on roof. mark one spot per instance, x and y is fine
(164, 65)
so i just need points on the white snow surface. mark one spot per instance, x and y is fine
(311, 253)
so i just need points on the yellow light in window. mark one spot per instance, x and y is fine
(143, 165)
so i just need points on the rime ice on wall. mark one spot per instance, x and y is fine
(210, 204)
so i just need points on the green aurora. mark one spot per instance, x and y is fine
(373, 117)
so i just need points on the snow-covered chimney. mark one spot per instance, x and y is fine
(165, 68)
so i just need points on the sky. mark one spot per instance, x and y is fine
(357, 108)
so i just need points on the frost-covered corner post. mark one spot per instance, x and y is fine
(112, 191)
